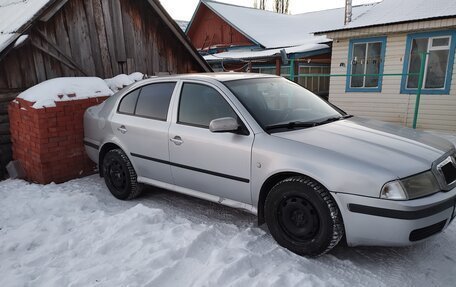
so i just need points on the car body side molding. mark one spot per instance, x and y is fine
(232, 177)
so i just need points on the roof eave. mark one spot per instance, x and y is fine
(193, 18)
(384, 24)
(293, 55)
(21, 30)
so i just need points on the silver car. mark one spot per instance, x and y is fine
(266, 145)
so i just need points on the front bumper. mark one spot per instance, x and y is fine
(373, 221)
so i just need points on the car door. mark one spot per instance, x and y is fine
(141, 124)
(213, 163)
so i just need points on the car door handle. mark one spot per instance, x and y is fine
(177, 140)
(122, 129)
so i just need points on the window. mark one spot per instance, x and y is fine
(128, 103)
(273, 101)
(439, 49)
(153, 101)
(365, 60)
(200, 104)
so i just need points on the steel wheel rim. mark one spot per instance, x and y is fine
(298, 218)
(117, 175)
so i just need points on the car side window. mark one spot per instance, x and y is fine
(200, 104)
(128, 103)
(154, 99)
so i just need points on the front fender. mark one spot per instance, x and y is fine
(337, 172)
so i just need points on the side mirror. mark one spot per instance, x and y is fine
(223, 125)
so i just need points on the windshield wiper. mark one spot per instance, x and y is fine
(332, 119)
(290, 125)
(298, 124)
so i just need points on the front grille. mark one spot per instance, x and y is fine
(446, 172)
(425, 232)
(449, 172)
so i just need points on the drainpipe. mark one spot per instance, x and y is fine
(348, 11)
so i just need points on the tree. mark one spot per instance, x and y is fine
(260, 4)
(281, 6)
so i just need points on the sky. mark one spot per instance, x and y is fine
(183, 9)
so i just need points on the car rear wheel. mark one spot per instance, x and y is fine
(303, 217)
(120, 176)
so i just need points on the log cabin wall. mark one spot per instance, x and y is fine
(100, 38)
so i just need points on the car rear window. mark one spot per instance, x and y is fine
(154, 99)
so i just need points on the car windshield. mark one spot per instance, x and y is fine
(278, 104)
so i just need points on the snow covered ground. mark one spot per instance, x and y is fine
(77, 234)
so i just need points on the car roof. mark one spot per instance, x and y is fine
(221, 77)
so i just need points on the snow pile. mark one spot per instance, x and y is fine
(48, 92)
(120, 81)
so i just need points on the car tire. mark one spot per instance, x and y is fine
(120, 176)
(303, 217)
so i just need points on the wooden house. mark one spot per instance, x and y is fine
(390, 39)
(44, 39)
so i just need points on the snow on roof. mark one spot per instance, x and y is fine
(20, 40)
(273, 30)
(182, 24)
(248, 54)
(395, 11)
(14, 14)
(120, 81)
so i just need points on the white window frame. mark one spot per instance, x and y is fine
(429, 49)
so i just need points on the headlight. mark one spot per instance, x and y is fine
(411, 187)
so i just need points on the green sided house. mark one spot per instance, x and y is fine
(388, 39)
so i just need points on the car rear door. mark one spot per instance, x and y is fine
(213, 163)
(141, 124)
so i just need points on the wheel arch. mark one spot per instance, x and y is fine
(269, 183)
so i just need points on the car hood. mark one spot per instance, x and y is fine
(399, 150)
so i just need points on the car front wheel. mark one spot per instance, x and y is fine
(120, 176)
(303, 217)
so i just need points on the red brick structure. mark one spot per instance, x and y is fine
(48, 142)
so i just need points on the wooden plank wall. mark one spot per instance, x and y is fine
(100, 38)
